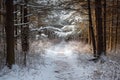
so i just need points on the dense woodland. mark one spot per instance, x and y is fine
(22, 20)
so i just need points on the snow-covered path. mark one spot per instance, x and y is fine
(66, 64)
(63, 61)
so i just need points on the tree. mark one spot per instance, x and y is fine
(111, 27)
(91, 29)
(117, 25)
(104, 29)
(9, 28)
(25, 33)
(99, 28)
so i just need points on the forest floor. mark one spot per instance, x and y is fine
(62, 61)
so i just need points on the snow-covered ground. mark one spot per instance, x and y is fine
(62, 61)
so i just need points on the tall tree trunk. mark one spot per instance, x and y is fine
(9, 28)
(15, 22)
(99, 28)
(25, 33)
(111, 28)
(92, 36)
(117, 25)
(104, 27)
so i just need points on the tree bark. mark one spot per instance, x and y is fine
(25, 33)
(117, 25)
(111, 28)
(105, 27)
(99, 27)
(92, 36)
(9, 28)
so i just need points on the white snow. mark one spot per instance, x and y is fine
(63, 34)
(62, 61)
(69, 28)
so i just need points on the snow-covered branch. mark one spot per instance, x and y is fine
(20, 24)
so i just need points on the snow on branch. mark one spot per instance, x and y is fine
(28, 15)
(22, 24)
(16, 11)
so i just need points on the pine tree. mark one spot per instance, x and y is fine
(99, 27)
(9, 28)
(91, 29)
(25, 33)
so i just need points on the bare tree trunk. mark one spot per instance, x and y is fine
(99, 27)
(15, 22)
(9, 28)
(117, 25)
(111, 28)
(25, 34)
(92, 36)
(104, 27)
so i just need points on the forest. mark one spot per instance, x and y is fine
(59, 40)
